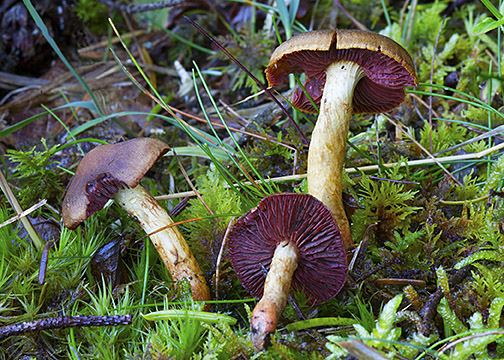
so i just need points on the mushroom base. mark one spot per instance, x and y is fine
(276, 290)
(326, 156)
(169, 243)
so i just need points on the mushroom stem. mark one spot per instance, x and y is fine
(276, 290)
(169, 243)
(326, 155)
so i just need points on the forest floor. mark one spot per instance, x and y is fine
(422, 186)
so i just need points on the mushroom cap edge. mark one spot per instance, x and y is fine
(109, 167)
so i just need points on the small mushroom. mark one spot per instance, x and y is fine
(348, 71)
(288, 240)
(115, 171)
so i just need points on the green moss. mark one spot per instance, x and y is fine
(207, 233)
(94, 14)
(36, 173)
(384, 202)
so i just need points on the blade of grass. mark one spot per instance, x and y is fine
(472, 100)
(196, 151)
(386, 14)
(492, 9)
(32, 233)
(249, 74)
(232, 158)
(207, 317)
(287, 15)
(10, 129)
(327, 321)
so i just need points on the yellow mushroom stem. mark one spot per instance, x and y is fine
(276, 290)
(326, 155)
(169, 243)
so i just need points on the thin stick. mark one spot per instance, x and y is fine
(62, 322)
(191, 184)
(24, 213)
(219, 258)
(399, 126)
(358, 24)
(431, 80)
(34, 235)
(433, 160)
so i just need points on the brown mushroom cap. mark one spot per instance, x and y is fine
(104, 171)
(387, 65)
(303, 220)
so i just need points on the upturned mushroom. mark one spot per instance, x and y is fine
(296, 241)
(114, 171)
(347, 71)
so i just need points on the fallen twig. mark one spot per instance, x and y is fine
(62, 322)
(297, 177)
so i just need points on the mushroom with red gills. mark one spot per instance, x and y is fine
(295, 239)
(347, 71)
(114, 171)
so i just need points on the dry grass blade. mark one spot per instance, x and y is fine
(32, 233)
(249, 74)
(431, 161)
(469, 337)
(170, 226)
(156, 100)
(219, 258)
(191, 184)
(494, 132)
(24, 213)
(400, 127)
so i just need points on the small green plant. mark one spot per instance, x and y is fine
(209, 231)
(36, 172)
(402, 243)
(384, 202)
(102, 342)
(487, 24)
(474, 344)
(384, 335)
(444, 137)
(94, 14)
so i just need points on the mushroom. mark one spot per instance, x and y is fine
(295, 239)
(115, 171)
(348, 71)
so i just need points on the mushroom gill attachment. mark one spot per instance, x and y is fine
(104, 171)
(114, 172)
(388, 67)
(287, 241)
(347, 71)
